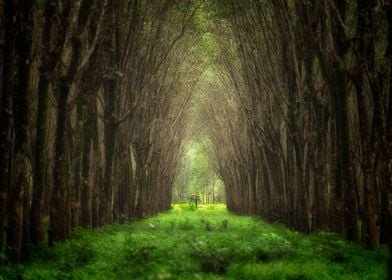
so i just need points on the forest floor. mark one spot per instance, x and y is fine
(208, 243)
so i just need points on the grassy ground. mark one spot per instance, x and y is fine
(208, 243)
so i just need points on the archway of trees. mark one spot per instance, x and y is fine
(289, 101)
(196, 178)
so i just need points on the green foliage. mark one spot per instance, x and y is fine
(207, 243)
(220, 9)
(187, 206)
(197, 177)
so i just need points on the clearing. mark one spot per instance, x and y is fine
(209, 243)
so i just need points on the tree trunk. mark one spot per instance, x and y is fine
(350, 203)
(365, 49)
(86, 191)
(78, 160)
(49, 62)
(6, 114)
(22, 168)
(110, 128)
(58, 208)
(97, 176)
(39, 189)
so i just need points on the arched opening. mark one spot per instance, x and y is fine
(197, 177)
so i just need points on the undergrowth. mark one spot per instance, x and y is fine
(203, 243)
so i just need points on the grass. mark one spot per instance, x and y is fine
(207, 243)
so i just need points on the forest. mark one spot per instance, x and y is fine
(113, 110)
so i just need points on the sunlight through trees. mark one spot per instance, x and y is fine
(196, 177)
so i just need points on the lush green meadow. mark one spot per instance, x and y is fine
(207, 243)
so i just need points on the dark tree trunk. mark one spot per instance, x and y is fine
(6, 113)
(370, 116)
(110, 142)
(387, 209)
(39, 189)
(344, 158)
(386, 206)
(22, 113)
(86, 190)
(332, 66)
(98, 172)
(58, 208)
(77, 158)
(49, 62)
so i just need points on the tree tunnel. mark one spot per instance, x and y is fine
(112, 110)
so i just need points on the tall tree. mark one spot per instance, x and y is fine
(20, 186)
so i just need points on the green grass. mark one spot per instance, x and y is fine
(207, 243)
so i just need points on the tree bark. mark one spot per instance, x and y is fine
(22, 113)
(58, 208)
(6, 113)
(86, 190)
(50, 58)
